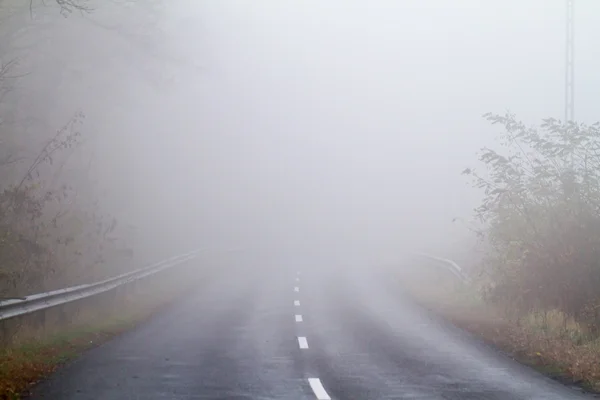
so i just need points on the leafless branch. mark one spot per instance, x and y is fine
(66, 6)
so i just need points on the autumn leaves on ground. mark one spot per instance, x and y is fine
(23, 365)
(535, 292)
(37, 349)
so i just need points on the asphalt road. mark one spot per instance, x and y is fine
(297, 333)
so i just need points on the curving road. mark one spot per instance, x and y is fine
(307, 333)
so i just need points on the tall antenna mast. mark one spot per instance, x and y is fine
(569, 65)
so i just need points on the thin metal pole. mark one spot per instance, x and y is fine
(569, 63)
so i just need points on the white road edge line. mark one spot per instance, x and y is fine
(302, 342)
(296, 289)
(298, 318)
(317, 387)
(297, 303)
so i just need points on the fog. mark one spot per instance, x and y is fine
(308, 127)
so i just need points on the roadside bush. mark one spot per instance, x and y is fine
(51, 234)
(541, 213)
(53, 228)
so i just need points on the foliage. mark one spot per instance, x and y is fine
(42, 226)
(53, 231)
(541, 212)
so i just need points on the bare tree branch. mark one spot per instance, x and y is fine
(66, 6)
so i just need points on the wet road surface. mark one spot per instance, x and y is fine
(297, 333)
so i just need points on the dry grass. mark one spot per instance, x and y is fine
(24, 365)
(550, 342)
(36, 350)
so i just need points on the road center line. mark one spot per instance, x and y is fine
(317, 387)
(297, 303)
(302, 342)
(298, 318)
(296, 289)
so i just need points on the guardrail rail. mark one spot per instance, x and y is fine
(29, 304)
(450, 266)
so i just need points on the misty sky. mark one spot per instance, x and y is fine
(359, 116)
(307, 123)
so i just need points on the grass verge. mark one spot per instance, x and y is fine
(37, 350)
(24, 365)
(549, 342)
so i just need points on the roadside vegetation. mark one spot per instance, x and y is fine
(541, 212)
(56, 229)
(37, 351)
(536, 294)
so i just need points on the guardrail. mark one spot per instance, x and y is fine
(450, 266)
(36, 302)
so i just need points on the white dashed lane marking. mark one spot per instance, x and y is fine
(302, 342)
(315, 383)
(317, 387)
